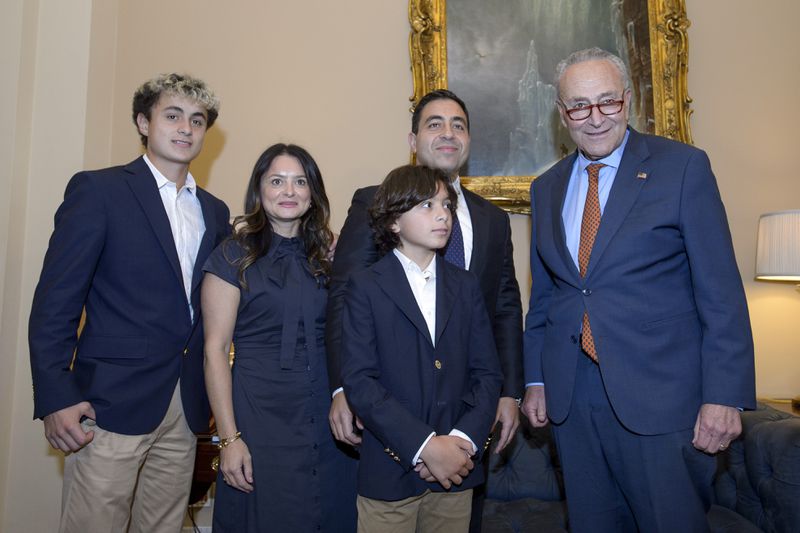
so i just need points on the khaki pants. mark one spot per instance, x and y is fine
(136, 483)
(430, 512)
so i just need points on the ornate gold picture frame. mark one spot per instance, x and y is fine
(667, 25)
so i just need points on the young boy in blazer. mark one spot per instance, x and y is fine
(420, 367)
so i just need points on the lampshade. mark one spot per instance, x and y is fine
(778, 254)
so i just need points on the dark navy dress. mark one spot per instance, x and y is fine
(303, 480)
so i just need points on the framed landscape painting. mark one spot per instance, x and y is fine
(500, 58)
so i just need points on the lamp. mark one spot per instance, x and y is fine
(778, 252)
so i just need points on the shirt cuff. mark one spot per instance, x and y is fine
(458, 433)
(337, 391)
(531, 384)
(416, 458)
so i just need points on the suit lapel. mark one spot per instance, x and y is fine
(622, 196)
(445, 297)
(557, 199)
(207, 242)
(395, 284)
(143, 185)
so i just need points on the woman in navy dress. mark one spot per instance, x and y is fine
(265, 290)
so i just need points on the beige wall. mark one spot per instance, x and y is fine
(336, 80)
(744, 70)
(47, 92)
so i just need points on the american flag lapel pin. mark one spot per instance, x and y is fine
(642, 175)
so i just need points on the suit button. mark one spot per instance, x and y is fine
(587, 292)
(437, 364)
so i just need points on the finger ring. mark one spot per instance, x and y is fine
(723, 445)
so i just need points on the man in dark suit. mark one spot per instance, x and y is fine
(124, 398)
(637, 335)
(440, 139)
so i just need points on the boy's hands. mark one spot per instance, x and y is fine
(446, 459)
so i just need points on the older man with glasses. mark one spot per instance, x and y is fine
(637, 341)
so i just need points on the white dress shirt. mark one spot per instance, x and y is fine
(186, 221)
(423, 286)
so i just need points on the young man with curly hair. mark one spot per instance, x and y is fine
(124, 398)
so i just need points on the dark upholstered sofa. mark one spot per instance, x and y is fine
(757, 486)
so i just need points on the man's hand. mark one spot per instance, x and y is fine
(341, 421)
(533, 406)
(716, 426)
(448, 459)
(508, 416)
(63, 428)
(236, 465)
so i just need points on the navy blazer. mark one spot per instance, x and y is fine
(662, 289)
(401, 386)
(112, 254)
(492, 262)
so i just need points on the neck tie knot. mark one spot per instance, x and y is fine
(594, 171)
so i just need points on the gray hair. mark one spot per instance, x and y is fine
(592, 54)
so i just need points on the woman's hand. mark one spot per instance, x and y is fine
(236, 466)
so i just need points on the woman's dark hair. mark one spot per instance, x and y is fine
(253, 230)
(404, 188)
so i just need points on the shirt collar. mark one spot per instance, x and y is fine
(611, 160)
(456, 183)
(162, 181)
(411, 267)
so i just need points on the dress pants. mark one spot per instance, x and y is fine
(134, 483)
(619, 481)
(429, 512)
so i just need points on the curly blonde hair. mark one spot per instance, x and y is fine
(147, 95)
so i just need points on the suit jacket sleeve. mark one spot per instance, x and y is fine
(73, 252)
(727, 343)
(355, 251)
(507, 321)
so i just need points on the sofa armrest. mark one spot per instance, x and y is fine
(527, 468)
(759, 476)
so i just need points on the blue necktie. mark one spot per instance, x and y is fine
(454, 252)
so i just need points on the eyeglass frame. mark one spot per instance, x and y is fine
(568, 111)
